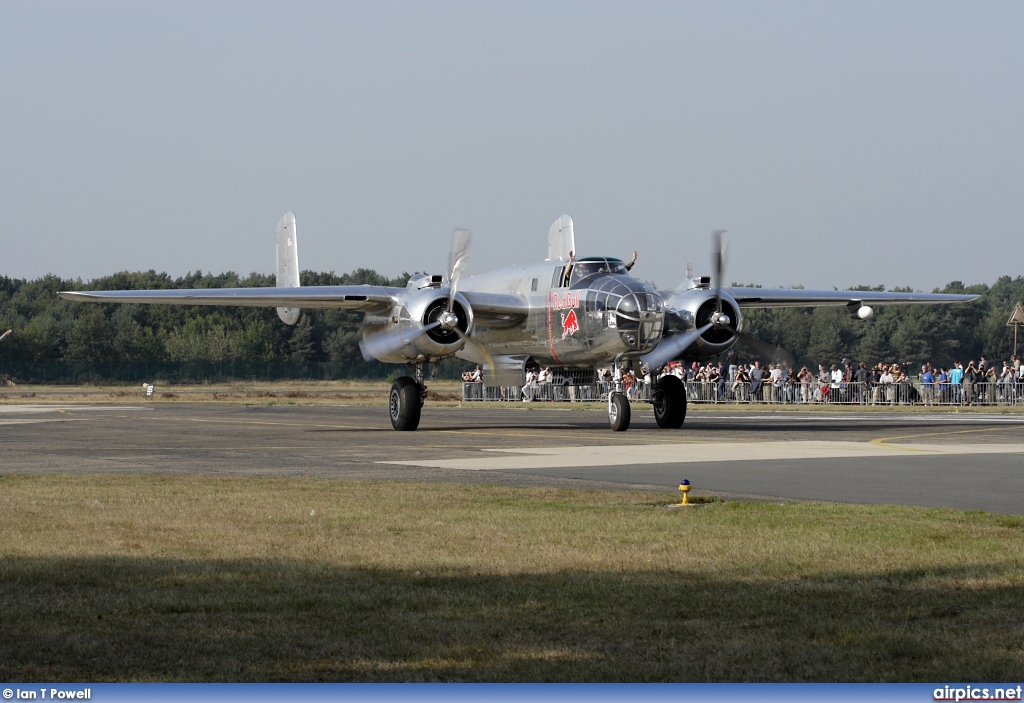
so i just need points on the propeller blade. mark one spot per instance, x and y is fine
(671, 347)
(474, 350)
(458, 254)
(720, 253)
(774, 354)
(494, 374)
(720, 259)
(386, 343)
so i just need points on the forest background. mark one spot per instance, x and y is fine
(55, 340)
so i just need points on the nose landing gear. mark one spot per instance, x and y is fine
(618, 404)
(618, 412)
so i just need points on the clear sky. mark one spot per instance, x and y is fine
(840, 143)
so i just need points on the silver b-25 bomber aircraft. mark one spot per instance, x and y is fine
(565, 311)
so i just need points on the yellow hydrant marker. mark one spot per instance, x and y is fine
(684, 486)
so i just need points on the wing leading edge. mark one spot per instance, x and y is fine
(377, 299)
(491, 309)
(800, 298)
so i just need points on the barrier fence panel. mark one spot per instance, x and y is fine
(1008, 392)
(875, 394)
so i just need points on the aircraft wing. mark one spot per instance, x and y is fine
(496, 309)
(800, 298)
(376, 299)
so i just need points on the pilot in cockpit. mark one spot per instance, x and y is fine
(584, 268)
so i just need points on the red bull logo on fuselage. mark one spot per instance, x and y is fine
(570, 321)
(559, 302)
(570, 325)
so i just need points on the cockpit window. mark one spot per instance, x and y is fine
(591, 266)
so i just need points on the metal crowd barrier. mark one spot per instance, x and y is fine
(911, 393)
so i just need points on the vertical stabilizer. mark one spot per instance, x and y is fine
(287, 263)
(561, 241)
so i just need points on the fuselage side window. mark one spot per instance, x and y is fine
(533, 286)
(557, 276)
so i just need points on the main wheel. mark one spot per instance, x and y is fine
(618, 412)
(669, 402)
(404, 404)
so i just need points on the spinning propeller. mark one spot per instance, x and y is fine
(386, 343)
(457, 257)
(471, 349)
(674, 346)
(720, 240)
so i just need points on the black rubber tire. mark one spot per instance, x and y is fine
(669, 402)
(618, 413)
(404, 404)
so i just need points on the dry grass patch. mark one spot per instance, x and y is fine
(350, 392)
(178, 578)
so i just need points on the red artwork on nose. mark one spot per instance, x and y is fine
(569, 324)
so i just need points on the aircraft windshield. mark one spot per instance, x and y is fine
(590, 266)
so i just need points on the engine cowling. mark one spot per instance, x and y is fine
(695, 308)
(411, 315)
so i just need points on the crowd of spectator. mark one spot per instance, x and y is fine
(850, 382)
(978, 382)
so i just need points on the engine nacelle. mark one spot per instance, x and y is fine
(694, 308)
(411, 315)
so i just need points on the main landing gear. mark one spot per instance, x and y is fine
(669, 400)
(406, 401)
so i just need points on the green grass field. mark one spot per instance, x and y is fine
(106, 578)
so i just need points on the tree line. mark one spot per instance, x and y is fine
(897, 333)
(50, 329)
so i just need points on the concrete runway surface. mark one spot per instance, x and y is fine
(966, 461)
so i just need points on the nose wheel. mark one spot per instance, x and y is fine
(618, 412)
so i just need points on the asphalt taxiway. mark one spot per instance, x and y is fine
(966, 461)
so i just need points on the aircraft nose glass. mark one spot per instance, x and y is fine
(633, 309)
(639, 320)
